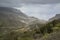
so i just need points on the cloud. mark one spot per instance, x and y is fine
(40, 11)
(10, 3)
(41, 1)
(17, 3)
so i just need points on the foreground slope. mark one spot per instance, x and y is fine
(52, 29)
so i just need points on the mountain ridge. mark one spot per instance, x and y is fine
(57, 16)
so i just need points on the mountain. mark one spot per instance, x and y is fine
(57, 16)
(33, 19)
(14, 18)
(11, 19)
(53, 30)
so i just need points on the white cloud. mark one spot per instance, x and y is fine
(17, 3)
(41, 11)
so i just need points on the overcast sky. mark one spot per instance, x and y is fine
(42, 9)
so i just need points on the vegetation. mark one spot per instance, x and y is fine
(50, 30)
(36, 31)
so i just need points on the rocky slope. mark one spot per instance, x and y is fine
(52, 29)
(57, 16)
(11, 19)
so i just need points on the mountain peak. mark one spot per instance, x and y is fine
(57, 16)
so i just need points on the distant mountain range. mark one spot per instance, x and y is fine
(57, 16)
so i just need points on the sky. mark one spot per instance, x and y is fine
(42, 9)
